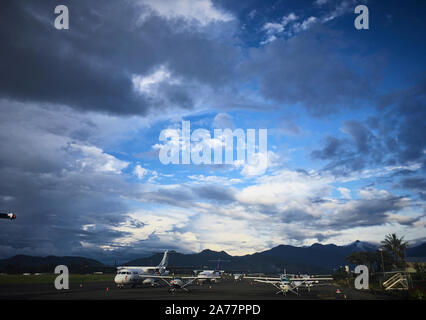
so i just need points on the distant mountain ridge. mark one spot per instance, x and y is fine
(23, 263)
(417, 251)
(317, 258)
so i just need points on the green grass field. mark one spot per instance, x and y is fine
(47, 278)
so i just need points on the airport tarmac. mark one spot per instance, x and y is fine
(226, 290)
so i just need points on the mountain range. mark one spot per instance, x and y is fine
(316, 258)
(32, 264)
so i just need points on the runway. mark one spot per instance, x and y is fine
(226, 290)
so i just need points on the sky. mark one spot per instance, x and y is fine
(83, 108)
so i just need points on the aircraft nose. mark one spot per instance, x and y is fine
(118, 279)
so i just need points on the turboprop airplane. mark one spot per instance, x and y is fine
(210, 275)
(175, 283)
(131, 275)
(286, 284)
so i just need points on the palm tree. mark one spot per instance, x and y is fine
(396, 247)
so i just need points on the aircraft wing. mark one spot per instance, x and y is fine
(155, 276)
(263, 278)
(310, 279)
(290, 279)
(164, 277)
(274, 282)
(190, 279)
(188, 282)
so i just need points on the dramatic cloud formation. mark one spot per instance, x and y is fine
(394, 138)
(82, 111)
(90, 61)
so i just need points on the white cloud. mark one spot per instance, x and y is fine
(345, 192)
(201, 179)
(140, 172)
(260, 163)
(379, 172)
(341, 8)
(304, 25)
(148, 85)
(284, 187)
(96, 159)
(289, 18)
(400, 219)
(272, 28)
(270, 38)
(235, 235)
(154, 176)
(297, 205)
(223, 121)
(288, 26)
(158, 222)
(371, 193)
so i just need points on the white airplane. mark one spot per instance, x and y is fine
(131, 275)
(209, 276)
(238, 276)
(175, 283)
(285, 283)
